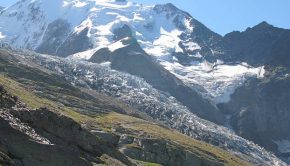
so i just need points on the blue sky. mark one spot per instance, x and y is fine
(224, 16)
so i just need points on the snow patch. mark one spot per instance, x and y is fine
(106, 64)
(85, 24)
(117, 45)
(215, 81)
(80, 4)
(165, 44)
(85, 55)
(1, 36)
(262, 72)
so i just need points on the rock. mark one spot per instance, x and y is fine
(126, 139)
(75, 42)
(29, 152)
(42, 137)
(5, 159)
(257, 46)
(6, 101)
(123, 32)
(54, 36)
(107, 137)
(162, 152)
(60, 126)
(260, 110)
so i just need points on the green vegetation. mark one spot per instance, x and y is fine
(33, 101)
(149, 164)
(203, 150)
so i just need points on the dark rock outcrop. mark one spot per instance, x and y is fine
(123, 32)
(253, 46)
(260, 109)
(54, 36)
(22, 149)
(75, 42)
(280, 52)
(42, 137)
(4, 158)
(199, 34)
(162, 152)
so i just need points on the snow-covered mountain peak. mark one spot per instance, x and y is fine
(27, 23)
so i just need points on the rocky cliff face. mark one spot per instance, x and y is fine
(260, 109)
(42, 137)
(254, 46)
(168, 154)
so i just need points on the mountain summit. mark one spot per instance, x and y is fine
(67, 27)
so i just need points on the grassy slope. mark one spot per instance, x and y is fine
(203, 150)
(33, 101)
(113, 119)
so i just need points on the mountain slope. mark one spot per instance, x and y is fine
(143, 97)
(98, 134)
(262, 102)
(261, 111)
